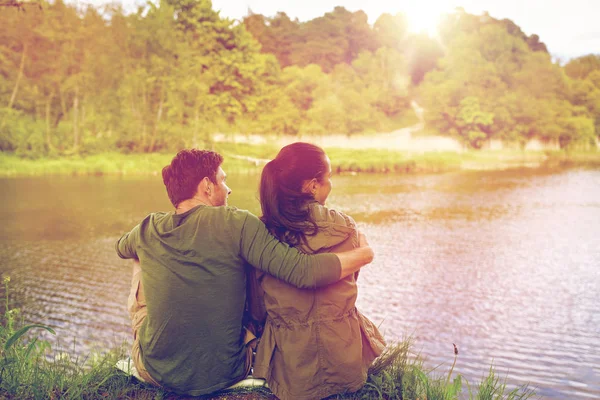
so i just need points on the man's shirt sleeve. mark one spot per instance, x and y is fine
(263, 251)
(126, 245)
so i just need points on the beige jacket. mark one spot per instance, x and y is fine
(315, 342)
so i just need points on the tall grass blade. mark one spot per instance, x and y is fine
(11, 340)
(30, 348)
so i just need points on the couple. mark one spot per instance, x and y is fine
(189, 288)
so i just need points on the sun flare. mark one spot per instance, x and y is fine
(423, 20)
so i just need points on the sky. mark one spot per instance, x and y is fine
(570, 28)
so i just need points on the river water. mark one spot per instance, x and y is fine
(505, 264)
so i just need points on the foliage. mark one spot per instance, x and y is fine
(491, 85)
(84, 80)
(336, 37)
(461, 22)
(582, 67)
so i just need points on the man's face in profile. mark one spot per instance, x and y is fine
(222, 191)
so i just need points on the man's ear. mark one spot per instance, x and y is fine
(203, 186)
(208, 184)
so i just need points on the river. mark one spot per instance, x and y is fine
(505, 264)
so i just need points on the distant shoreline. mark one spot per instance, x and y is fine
(244, 158)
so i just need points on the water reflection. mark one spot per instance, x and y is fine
(502, 263)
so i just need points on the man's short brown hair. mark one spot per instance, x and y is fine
(187, 169)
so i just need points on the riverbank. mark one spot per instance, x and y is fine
(240, 158)
(30, 370)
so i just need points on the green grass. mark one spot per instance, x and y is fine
(239, 158)
(30, 370)
(251, 158)
(382, 161)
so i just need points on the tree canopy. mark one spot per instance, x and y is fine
(85, 79)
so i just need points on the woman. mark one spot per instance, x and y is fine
(315, 342)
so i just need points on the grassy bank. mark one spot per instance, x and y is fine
(251, 158)
(238, 158)
(29, 370)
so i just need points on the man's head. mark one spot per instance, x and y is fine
(197, 174)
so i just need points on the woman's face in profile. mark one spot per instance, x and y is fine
(323, 188)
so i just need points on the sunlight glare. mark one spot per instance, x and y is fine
(422, 19)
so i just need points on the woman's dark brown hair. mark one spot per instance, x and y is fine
(283, 204)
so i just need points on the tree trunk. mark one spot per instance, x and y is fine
(76, 119)
(48, 125)
(16, 88)
(143, 113)
(82, 114)
(63, 104)
(137, 113)
(155, 130)
(19, 76)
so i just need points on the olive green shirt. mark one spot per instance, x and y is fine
(195, 285)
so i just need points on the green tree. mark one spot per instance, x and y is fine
(18, 40)
(581, 67)
(336, 37)
(391, 31)
(492, 85)
(585, 94)
(453, 24)
(277, 35)
(385, 81)
(301, 84)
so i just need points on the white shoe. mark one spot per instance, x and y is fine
(127, 366)
(249, 382)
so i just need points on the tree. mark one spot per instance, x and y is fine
(84, 79)
(385, 81)
(581, 67)
(585, 95)
(453, 24)
(336, 37)
(422, 54)
(492, 85)
(391, 31)
(277, 35)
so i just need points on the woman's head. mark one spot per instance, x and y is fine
(300, 173)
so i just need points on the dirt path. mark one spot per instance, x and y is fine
(399, 140)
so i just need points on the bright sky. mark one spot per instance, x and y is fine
(570, 28)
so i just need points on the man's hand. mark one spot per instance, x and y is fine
(353, 260)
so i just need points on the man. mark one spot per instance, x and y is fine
(187, 320)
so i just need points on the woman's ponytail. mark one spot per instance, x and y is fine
(269, 192)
